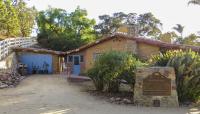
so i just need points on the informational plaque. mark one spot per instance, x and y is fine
(156, 85)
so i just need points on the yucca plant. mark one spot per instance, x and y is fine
(187, 77)
(163, 58)
(187, 69)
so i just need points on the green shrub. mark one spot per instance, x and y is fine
(187, 70)
(96, 75)
(111, 67)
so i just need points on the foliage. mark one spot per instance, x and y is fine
(60, 30)
(15, 19)
(191, 40)
(26, 17)
(146, 24)
(149, 25)
(163, 58)
(8, 19)
(186, 65)
(197, 2)
(168, 37)
(3, 13)
(96, 74)
(187, 75)
(179, 28)
(112, 67)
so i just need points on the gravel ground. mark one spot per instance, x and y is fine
(52, 94)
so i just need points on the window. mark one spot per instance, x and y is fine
(65, 59)
(70, 58)
(96, 55)
(81, 58)
(76, 60)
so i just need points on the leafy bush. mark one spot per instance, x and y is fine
(111, 67)
(187, 70)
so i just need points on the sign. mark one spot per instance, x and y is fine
(157, 85)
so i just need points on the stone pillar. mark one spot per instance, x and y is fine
(155, 86)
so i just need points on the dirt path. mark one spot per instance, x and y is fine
(52, 94)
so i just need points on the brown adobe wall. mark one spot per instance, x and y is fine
(119, 44)
(145, 51)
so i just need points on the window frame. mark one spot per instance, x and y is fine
(70, 60)
(95, 55)
(81, 58)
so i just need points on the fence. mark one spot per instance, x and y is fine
(7, 44)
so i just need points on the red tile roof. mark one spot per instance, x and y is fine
(139, 40)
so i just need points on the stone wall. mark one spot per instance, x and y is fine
(8, 72)
(9, 64)
(164, 98)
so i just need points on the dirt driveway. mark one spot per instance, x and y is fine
(52, 94)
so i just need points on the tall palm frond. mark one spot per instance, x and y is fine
(197, 2)
(179, 28)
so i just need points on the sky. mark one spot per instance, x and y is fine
(170, 12)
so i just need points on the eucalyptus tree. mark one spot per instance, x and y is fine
(146, 24)
(109, 24)
(149, 25)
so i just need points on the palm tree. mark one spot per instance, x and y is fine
(179, 28)
(197, 2)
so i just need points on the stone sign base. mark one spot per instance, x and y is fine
(155, 86)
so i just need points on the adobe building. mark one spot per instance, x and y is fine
(82, 58)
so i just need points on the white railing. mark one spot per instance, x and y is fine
(7, 44)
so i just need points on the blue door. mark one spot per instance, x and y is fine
(37, 63)
(76, 65)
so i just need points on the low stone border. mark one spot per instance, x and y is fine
(10, 80)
